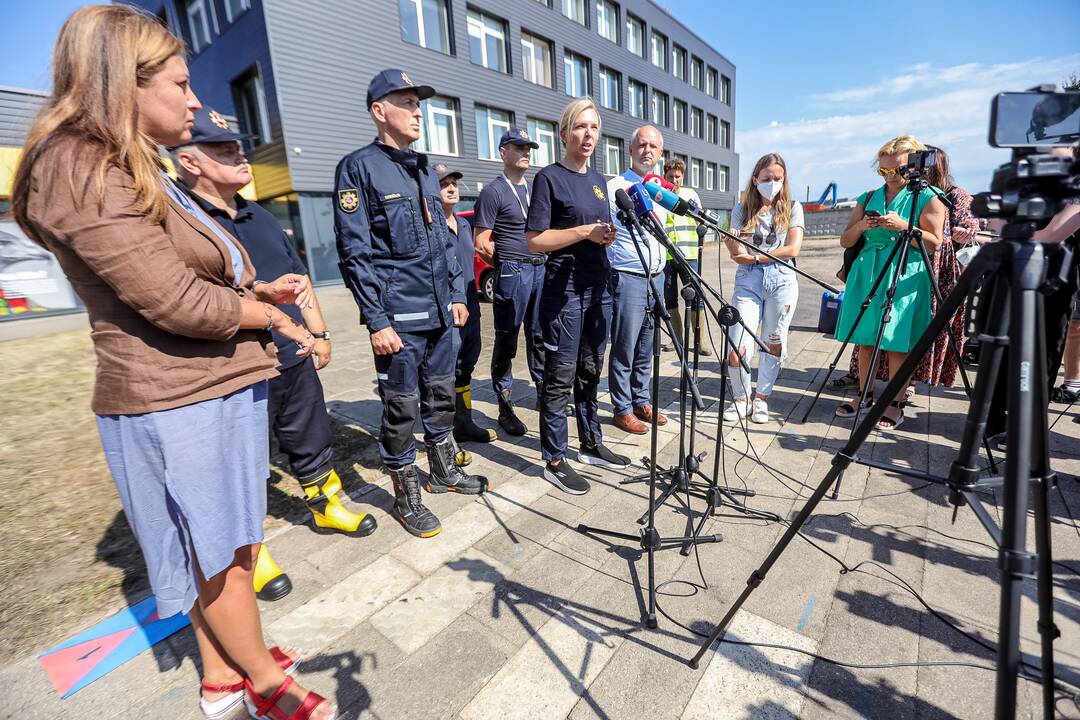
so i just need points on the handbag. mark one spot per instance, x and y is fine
(851, 253)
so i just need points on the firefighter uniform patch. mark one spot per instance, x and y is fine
(598, 193)
(348, 200)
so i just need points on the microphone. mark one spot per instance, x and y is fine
(670, 201)
(662, 182)
(642, 202)
(626, 208)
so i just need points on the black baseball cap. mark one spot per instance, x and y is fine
(210, 127)
(444, 172)
(517, 136)
(392, 80)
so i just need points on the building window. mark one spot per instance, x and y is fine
(678, 62)
(725, 134)
(696, 122)
(490, 126)
(198, 25)
(576, 72)
(697, 70)
(723, 179)
(236, 8)
(710, 176)
(426, 23)
(487, 41)
(659, 50)
(710, 82)
(678, 117)
(543, 133)
(659, 108)
(251, 108)
(607, 20)
(610, 89)
(637, 99)
(695, 173)
(575, 10)
(725, 89)
(612, 155)
(536, 60)
(439, 130)
(710, 129)
(635, 35)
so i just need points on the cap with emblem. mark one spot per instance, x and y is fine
(392, 80)
(210, 127)
(517, 136)
(446, 173)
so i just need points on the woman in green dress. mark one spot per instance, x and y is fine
(879, 217)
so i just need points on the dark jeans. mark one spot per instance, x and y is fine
(297, 413)
(575, 325)
(672, 275)
(518, 287)
(630, 362)
(418, 380)
(467, 340)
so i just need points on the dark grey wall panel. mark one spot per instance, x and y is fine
(18, 107)
(325, 52)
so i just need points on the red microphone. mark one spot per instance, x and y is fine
(658, 180)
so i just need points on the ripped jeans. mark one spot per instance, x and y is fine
(765, 296)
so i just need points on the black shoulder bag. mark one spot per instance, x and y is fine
(853, 252)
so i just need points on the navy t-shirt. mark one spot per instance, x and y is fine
(500, 208)
(464, 245)
(272, 255)
(565, 199)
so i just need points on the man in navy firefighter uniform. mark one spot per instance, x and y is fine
(399, 260)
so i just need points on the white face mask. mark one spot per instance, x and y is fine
(769, 190)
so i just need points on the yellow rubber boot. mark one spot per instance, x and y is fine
(328, 513)
(461, 457)
(271, 582)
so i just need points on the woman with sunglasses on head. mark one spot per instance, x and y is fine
(940, 365)
(570, 220)
(181, 335)
(879, 217)
(765, 293)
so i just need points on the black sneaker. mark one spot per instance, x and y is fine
(566, 478)
(600, 456)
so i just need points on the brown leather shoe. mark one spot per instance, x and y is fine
(630, 424)
(644, 412)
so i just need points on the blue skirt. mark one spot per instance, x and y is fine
(192, 481)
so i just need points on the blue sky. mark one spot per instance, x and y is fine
(823, 83)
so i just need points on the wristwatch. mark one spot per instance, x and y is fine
(324, 335)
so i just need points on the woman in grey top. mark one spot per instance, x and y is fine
(765, 292)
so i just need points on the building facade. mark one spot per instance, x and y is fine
(294, 76)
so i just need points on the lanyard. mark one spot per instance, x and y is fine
(513, 191)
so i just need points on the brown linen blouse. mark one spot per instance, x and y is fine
(164, 314)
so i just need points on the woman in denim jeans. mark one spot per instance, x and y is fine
(765, 292)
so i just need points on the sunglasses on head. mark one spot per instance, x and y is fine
(886, 172)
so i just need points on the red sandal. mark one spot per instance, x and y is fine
(265, 708)
(223, 706)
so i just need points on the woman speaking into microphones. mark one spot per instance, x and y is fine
(570, 220)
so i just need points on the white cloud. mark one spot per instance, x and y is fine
(949, 107)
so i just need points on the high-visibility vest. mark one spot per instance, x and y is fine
(682, 230)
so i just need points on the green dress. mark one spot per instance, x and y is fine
(911, 303)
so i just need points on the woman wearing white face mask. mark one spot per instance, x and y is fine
(765, 292)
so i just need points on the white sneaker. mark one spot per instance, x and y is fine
(735, 410)
(761, 412)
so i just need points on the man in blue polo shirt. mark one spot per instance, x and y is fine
(634, 267)
(398, 258)
(499, 230)
(213, 169)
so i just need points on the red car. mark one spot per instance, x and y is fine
(485, 274)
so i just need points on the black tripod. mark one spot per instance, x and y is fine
(1011, 273)
(648, 538)
(912, 235)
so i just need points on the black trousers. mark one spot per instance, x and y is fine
(467, 340)
(299, 421)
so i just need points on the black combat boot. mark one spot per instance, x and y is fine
(508, 420)
(465, 430)
(408, 506)
(445, 476)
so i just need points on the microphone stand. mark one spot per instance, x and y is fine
(648, 539)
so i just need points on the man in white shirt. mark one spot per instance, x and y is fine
(630, 363)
